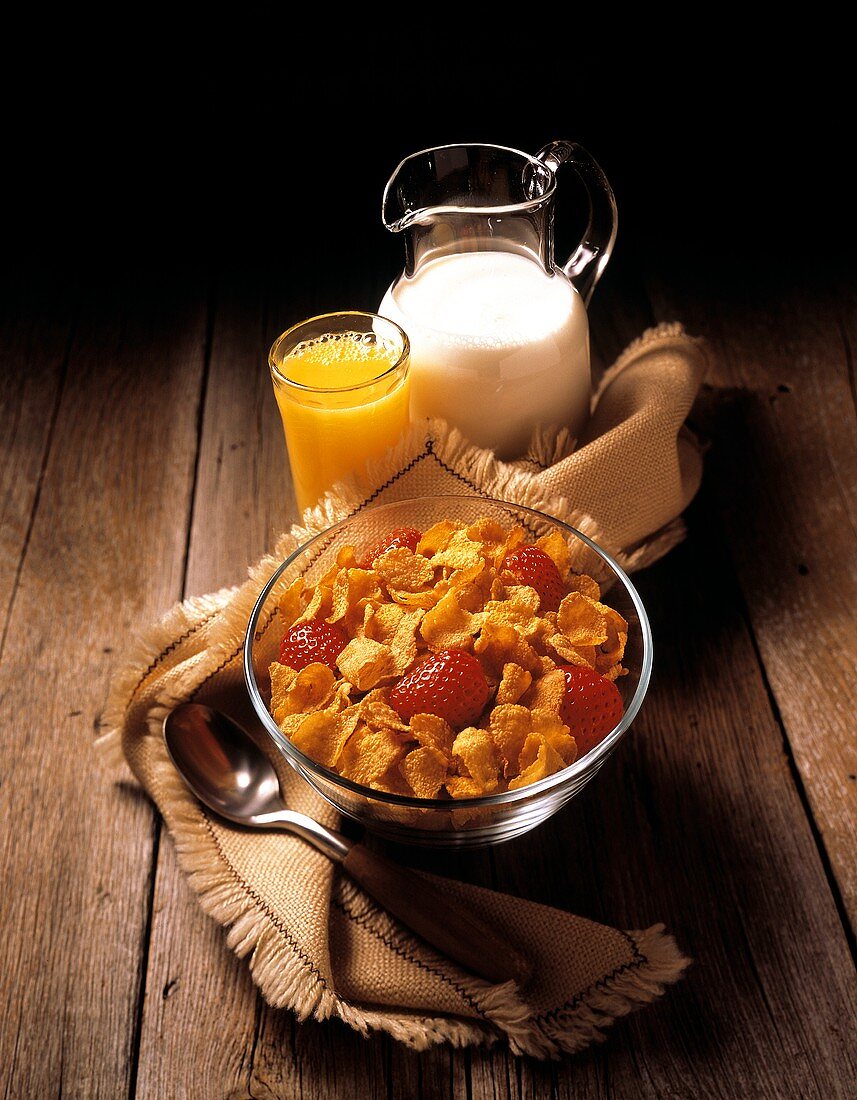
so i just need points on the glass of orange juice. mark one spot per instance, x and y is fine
(342, 387)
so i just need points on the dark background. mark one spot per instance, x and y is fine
(729, 154)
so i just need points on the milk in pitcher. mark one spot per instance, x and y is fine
(498, 347)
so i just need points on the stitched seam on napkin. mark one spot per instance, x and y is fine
(174, 644)
(363, 921)
(464, 480)
(428, 452)
(274, 919)
(638, 961)
(223, 664)
(399, 473)
(470, 484)
(527, 461)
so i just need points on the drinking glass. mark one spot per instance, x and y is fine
(342, 387)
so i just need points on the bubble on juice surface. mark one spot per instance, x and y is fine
(344, 347)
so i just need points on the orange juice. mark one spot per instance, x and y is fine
(343, 396)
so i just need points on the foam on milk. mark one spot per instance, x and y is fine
(498, 347)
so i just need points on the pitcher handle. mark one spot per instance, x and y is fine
(589, 259)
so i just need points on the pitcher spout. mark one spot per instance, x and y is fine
(397, 220)
(412, 195)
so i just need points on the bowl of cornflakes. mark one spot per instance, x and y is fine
(448, 670)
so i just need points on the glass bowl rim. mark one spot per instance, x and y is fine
(558, 779)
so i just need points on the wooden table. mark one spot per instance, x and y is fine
(141, 460)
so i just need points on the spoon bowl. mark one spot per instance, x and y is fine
(222, 765)
(229, 773)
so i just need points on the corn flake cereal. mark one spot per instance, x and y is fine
(353, 590)
(538, 760)
(452, 593)
(579, 618)
(289, 605)
(514, 683)
(475, 750)
(461, 552)
(556, 548)
(377, 712)
(319, 606)
(433, 732)
(571, 654)
(499, 643)
(449, 626)
(424, 769)
(323, 734)
(366, 663)
(369, 753)
(300, 693)
(395, 627)
(586, 586)
(549, 725)
(403, 570)
(438, 535)
(519, 608)
(546, 693)
(510, 726)
(462, 786)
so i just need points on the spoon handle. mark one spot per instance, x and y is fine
(333, 844)
(443, 921)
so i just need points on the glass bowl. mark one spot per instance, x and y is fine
(434, 822)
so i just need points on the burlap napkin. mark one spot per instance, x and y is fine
(317, 944)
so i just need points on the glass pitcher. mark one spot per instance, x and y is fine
(498, 331)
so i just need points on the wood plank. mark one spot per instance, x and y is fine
(784, 462)
(429, 1073)
(318, 1061)
(105, 555)
(242, 496)
(199, 1011)
(35, 328)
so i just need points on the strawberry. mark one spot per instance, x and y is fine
(530, 565)
(449, 684)
(591, 707)
(305, 643)
(408, 537)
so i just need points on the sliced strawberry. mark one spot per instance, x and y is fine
(449, 684)
(530, 565)
(306, 643)
(591, 707)
(408, 537)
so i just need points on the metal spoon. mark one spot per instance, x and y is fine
(230, 774)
